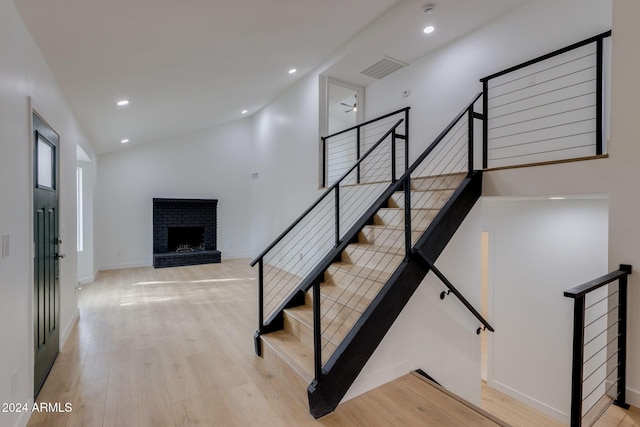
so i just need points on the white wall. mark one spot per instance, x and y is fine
(539, 249)
(285, 157)
(24, 74)
(205, 164)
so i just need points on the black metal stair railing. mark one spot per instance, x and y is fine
(285, 263)
(423, 207)
(419, 195)
(342, 149)
(349, 246)
(598, 377)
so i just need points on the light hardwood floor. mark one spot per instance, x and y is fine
(173, 347)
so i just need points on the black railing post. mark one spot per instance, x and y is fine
(599, 101)
(358, 152)
(406, 139)
(325, 163)
(621, 396)
(261, 296)
(470, 127)
(317, 332)
(393, 156)
(578, 361)
(337, 213)
(485, 124)
(407, 216)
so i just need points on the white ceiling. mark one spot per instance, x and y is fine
(187, 65)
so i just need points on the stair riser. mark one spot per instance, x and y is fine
(387, 237)
(381, 261)
(298, 329)
(333, 332)
(422, 199)
(420, 219)
(447, 182)
(344, 296)
(365, 286)
(284, 378)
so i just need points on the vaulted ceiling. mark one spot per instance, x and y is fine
(186, 65)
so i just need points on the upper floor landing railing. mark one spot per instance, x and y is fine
(548, 109)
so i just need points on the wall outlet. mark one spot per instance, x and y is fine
(5, 245)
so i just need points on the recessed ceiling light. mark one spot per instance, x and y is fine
(122, 103)
(124, 141)
(557, 198)
(429, 29)
(293, 70)
(244, 111)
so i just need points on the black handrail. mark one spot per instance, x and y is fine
(548, 55)
(358, 128)
(579, 294)
(327, 191)
(592, 285)
(367, 122)
(455, 291)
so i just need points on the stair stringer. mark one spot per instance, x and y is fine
(345, 364)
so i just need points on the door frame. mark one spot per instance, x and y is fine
(32, 179)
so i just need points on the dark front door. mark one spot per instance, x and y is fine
(46, 244)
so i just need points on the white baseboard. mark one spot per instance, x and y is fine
(148, 264)
(67, 331)
(530, 401)
(123, 266)
(633, 397)
(86, 280)
(236, 256)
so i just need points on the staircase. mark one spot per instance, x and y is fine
(331, 289)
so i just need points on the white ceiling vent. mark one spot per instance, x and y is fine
(383, 68)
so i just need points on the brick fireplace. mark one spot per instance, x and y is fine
(184, 232)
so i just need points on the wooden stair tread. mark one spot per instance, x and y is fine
(293, 352)
(394, 228)
(372, 247)
(359, 271)
(344, 315)
(352, 300)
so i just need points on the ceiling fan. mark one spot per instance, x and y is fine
(353, 107)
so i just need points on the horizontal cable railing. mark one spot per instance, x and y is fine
(414, 201)
(598, 377)
(342, 149)
(299, 249)
(548, 109)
